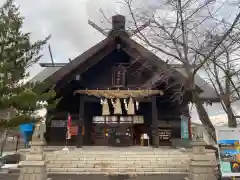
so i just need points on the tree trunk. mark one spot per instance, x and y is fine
(203, 115)
(3, 141)
(232, 122)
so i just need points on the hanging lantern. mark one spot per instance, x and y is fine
(105, 107)
(131, 110)
(118, 108)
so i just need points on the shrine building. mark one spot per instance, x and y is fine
(117, 91)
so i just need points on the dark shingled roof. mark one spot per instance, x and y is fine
(55, 74)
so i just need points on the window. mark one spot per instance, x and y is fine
(126, 119)
(119, 76)
(98, 120)
(111, 119)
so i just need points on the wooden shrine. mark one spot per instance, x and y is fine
(117, 88)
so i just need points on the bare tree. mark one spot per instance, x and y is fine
(179, 30)
(223, 73)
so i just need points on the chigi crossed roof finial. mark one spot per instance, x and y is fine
(118, 24)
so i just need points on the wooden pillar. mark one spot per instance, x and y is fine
(80, 122)
(155, 137)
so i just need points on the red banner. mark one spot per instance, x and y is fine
(74, 130)
(69, 122)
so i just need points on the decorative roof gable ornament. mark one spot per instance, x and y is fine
(118, 27)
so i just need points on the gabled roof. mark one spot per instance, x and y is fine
(62, 72)
(55, 74)
(44, 74)
(208, 93)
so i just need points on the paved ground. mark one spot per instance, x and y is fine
(101, 177)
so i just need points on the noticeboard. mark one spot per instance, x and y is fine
(165, 134)
(229, 151)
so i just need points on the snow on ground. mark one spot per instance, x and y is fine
(9, 166)
(8, 153)
(218, 120)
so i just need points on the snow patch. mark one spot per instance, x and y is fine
(9, 166)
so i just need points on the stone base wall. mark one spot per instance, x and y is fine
(203, 166)
(33, 167)
(33, 173)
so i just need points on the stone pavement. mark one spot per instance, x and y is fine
(100, 177)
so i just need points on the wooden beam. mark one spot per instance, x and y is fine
(157, 62)
(95, 26)
(51, 64)
(120, 93)
(87, 64)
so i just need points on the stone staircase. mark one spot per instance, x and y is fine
(118, 161)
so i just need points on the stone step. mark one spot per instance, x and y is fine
(123, 151)
(128, 160)
(136, 156)
(108, 170)
(116, 165)
(117, 153)
(103, 157)
(120, 155)
(117, 161)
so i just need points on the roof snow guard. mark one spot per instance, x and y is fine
(55, 74)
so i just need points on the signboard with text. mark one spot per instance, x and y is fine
(184, 127)
(229, 151)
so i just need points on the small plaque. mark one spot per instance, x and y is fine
(58, 123)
